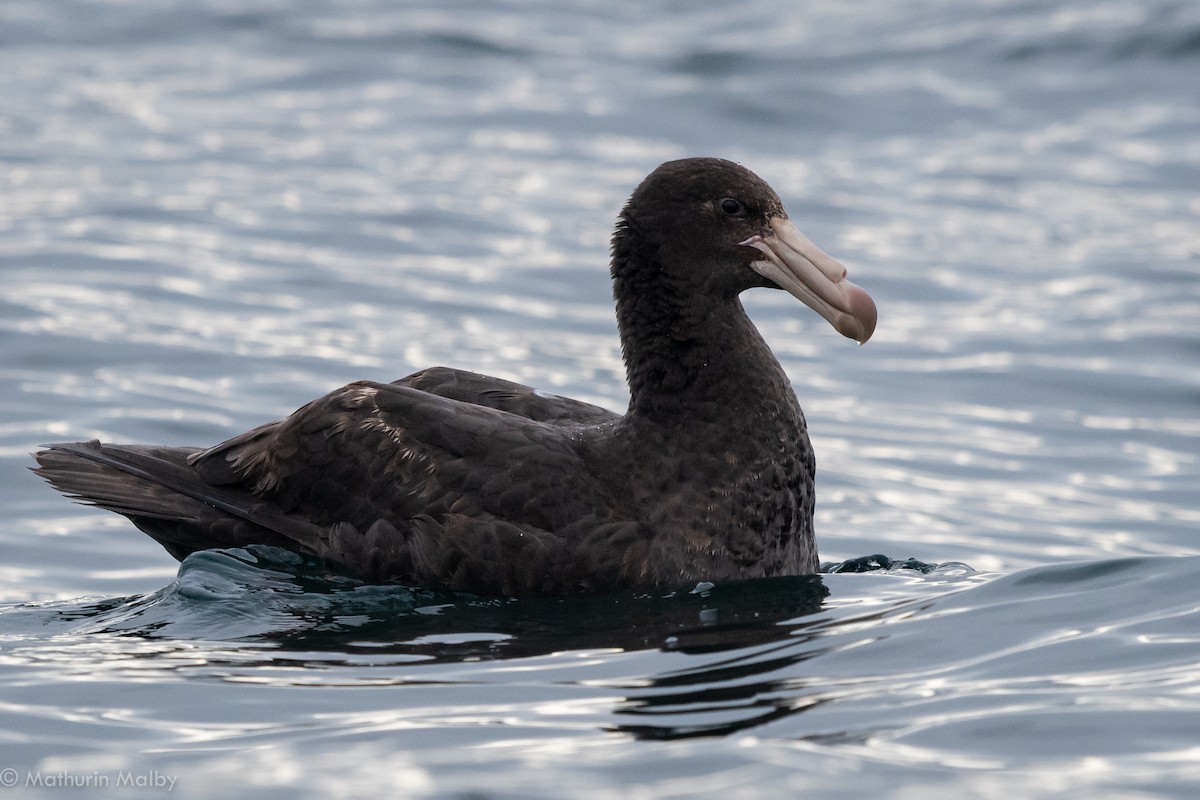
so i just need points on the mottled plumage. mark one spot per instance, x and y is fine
(466, 481)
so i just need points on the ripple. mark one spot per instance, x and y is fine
(211, 216)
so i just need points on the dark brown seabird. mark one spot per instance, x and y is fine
(453, 479)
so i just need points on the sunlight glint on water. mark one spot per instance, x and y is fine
(212, 214)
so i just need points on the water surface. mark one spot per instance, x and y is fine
(211, 213)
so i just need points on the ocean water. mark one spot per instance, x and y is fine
(212, 212)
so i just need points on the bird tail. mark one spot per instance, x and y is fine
(163, 496)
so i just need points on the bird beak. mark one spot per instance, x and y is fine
(799, 267)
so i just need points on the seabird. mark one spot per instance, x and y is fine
(458, 480)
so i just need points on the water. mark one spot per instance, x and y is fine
(211, 213)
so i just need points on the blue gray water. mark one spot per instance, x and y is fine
(211, 212)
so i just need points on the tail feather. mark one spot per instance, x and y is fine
(164, 497)
(85, 472)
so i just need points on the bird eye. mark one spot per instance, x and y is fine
(731, 206)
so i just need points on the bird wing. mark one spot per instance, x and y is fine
(408, 484)
(375, 450)
(515, 398)
(394, 483)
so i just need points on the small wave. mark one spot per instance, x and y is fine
(269, 595)
(881, 563)
(1133, 44)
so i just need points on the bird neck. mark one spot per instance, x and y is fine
(689, 360)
